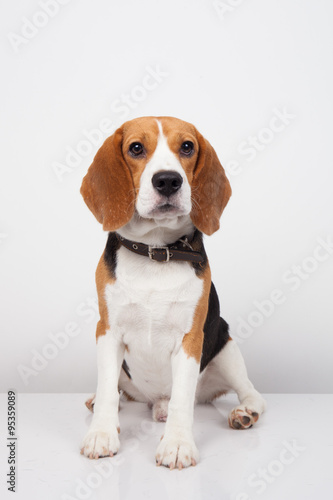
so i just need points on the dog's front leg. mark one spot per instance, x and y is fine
(102, 437)
(177, 447)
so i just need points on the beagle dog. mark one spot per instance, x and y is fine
(156, 185)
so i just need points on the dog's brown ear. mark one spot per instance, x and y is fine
(108, 188)
(210, 189)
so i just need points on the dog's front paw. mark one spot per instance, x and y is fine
(98, 444)
(174, 451)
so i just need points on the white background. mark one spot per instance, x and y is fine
(224, 71)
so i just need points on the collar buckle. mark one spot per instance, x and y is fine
(153, 250)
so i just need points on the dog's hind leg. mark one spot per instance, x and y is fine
(227, 371)
(160, 410)
(90, 402)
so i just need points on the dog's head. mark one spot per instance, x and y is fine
(162, 168)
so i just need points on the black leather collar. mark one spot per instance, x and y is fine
(180, 250)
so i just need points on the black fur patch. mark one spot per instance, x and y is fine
(110, 253)
(126, 369)
(110, 259)
(216, 330)
(198, 246)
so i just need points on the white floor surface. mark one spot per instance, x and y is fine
(288, 455)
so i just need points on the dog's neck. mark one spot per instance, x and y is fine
(157, 231)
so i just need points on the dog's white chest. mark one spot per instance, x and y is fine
(151, 306)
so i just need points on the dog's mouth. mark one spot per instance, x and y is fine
(166, 209)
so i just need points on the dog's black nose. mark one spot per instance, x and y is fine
(167, 182)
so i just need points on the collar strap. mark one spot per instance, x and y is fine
(180, 250)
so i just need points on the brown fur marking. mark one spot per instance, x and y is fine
(107, 187)
(193, 340)
(218, 395)
(128, 396)
(103, 278)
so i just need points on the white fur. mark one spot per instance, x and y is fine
(227, 371)
(102, 436)
(148, 198)
(177, 447)
(152, 305)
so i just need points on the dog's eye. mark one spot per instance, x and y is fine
(136, 149)
(187, 148)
